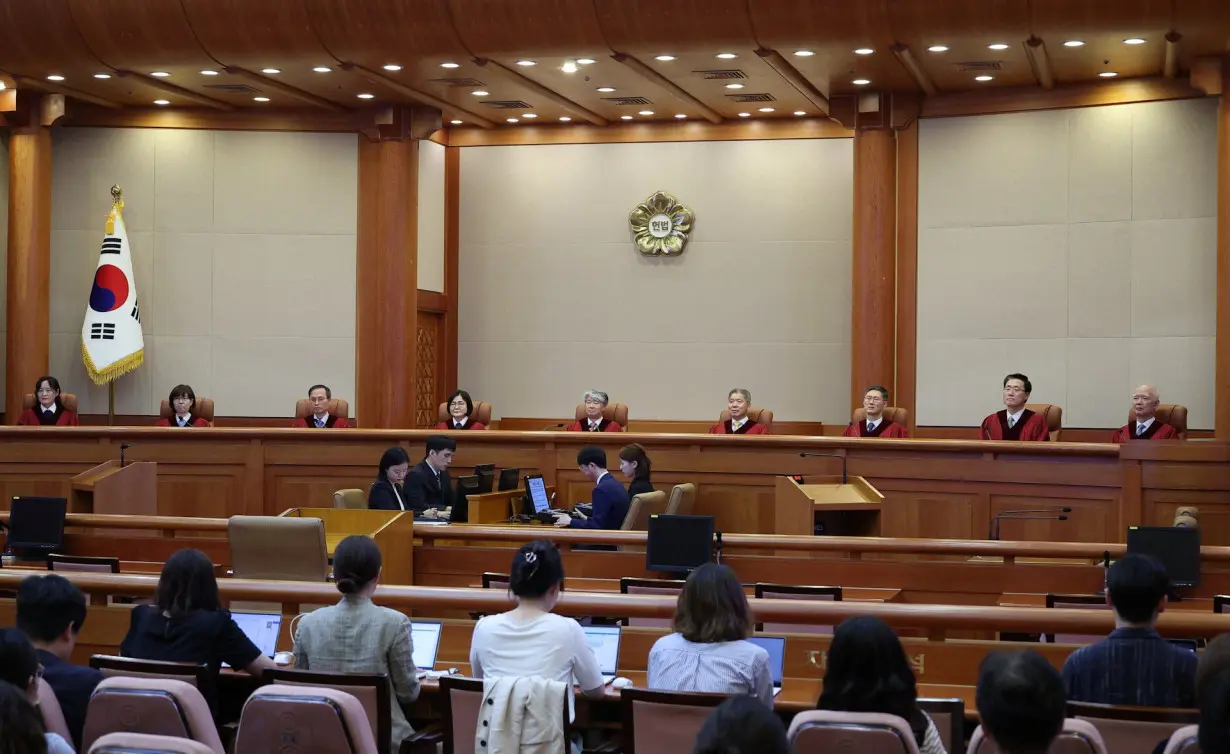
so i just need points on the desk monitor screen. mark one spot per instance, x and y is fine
(262, 629)
(466, 486)
(1177, 548)
(678, 543)
(425, 643)
(486, 477)
(538, 492)
(36, 524)
(776, 647)
(509, 479)
(604, 640)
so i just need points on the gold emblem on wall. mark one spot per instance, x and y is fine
(660, 225)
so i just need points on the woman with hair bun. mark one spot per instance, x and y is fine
(357, 636)
(530, 640)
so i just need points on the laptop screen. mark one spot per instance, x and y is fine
(776, 647)
(262, 629)
(605, 642)
(425, 636)
(538, 493)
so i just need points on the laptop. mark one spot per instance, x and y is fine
(776, 647)
(262, 629)
(604, 640)
(425, 640)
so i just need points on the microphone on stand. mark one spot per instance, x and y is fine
(124, 446)
(553, 426)
(806, 454)
(1026, 515)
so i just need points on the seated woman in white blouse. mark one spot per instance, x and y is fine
(530, 640)
(708, 651)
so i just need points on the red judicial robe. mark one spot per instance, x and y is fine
(333, 422)
(750, 427)
(606, 425)
(36, 417)
(884, 429)
(1031, 427)
(1155, 431)
(448, 426)
(195, 421)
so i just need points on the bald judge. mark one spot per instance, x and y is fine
(1145, 425)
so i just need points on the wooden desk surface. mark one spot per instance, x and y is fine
(1019, 599)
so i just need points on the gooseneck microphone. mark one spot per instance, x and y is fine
(1026, 514)
(124, 446)
(553, 426)
(806, 454)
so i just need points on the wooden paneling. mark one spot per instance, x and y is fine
(873, 285)
(534, 424)
(1024, 98)
(428, 369)
(1222, 395)
(634, 133)
(906, 380)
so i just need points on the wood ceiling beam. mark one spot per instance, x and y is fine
(905, 56)
(1170, 68)
(421, 97)
(795, 79)
(50, 87)
(272, 85)
(1039, 62)
(177, 91)
(657, 79)
(551, 95)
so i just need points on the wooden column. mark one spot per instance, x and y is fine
(386, 300)
(906, 380)
(29, 255)
(874, 264)
(1221, 385)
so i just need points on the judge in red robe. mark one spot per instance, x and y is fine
(595, 403)
(460, 407)
(183, 409)
(48, 408)
(1016, 422)
(738, 401)
(1145, 425)
(875, 400)
(320, 418)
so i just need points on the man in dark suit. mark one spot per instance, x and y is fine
(609, 498)
(428, 487)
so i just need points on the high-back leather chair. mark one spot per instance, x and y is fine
(683, 497)
(762, 415)
(663, 722)
(318, 720)
(793, 592)
(49, 708)
(660, 587)
(144, 743)
(1052, 414)
(893, 414)
(1075, 602)
(204, 409)
(67, 400)
(643, 506)
(349, 498)
(82, 563)
(1132, 730)
(1167, 413)
(481, 413)
(338, 407)
(159, 706)
(1076, 737)
(370, 690)
(1183, 741)
(819, 731)
(615, 412)
(278, 548)
(948, 715)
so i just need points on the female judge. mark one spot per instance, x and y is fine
(183, 404)
(48, 408)
(634, 463)
(460, 407)
(386, 492)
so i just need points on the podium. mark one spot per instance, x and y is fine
(849, 509)
(109, 488)
(392, 530)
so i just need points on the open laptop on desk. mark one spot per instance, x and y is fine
(262, 629)
(776, 647)
(425, 644)
(604, 640)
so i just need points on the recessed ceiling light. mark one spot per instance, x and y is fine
(799, 112)
(479, 93)
(392, 67)
(526, 63)
(2, 85)
(645, 112)
(55, 77)
(625, 117)
(804, 53)
(861, 82)
(586, 61)
(766, 109)
(209, 73)
(734, 86)
(162, 102)
(512, 120)
(159, 74)
(1108, 74)
(937, 48)
(745, 115)
(565, 119)
(1134, 41)
(680, 116)
(664, 58)
(455, 122)
(277, 70)
(365, 95)
(726, 56)
(529, 115)
(322, 69)
(1074, 43)
(863, 51)
(569, 66)
(450, 65)
(997, 46)
(606, 88)
(102, 75)
(260, 99)
(983, 78)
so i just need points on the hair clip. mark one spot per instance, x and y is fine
(530, 557)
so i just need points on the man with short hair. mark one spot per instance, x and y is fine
(319, 416)
(738, 401)
(428, 488)
(609, 498)
(51, 611)
(595, 402)
(1145, 425)
(1134, 665)
(1016, 422)
(1021, 701)
(875, 400)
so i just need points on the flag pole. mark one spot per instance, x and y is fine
(111, 403)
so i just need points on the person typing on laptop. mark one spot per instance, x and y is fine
(610, 499)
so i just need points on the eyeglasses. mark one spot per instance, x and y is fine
(48, 390)
(456, 404)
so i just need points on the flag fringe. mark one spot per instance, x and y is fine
(113, 371)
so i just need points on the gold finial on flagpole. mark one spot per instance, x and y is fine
(117, 194)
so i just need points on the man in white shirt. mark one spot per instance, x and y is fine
(1144, 424)
(875, 400)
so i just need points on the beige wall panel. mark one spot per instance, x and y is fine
(431, 216)
(1099, 382)
(972, 374)
(183, 180)
(183, 284)
(85, 163)
(1100, 280)
(1182, 369)
(1174, 170)
(176, 359)
(265, 376)
(1174, 278)
(1100, 172)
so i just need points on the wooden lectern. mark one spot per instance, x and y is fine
(109, 488)
(392, 530)
(848, 509)
(498, 507)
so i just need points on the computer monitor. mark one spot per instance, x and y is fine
(1177, 548)
(536, 489)
(466, 486)
(262, 629)
(678, 543)
(509, 479)
(425, 643)
(36, 524)
(604, 640)
(776, 647)
(486, 477)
